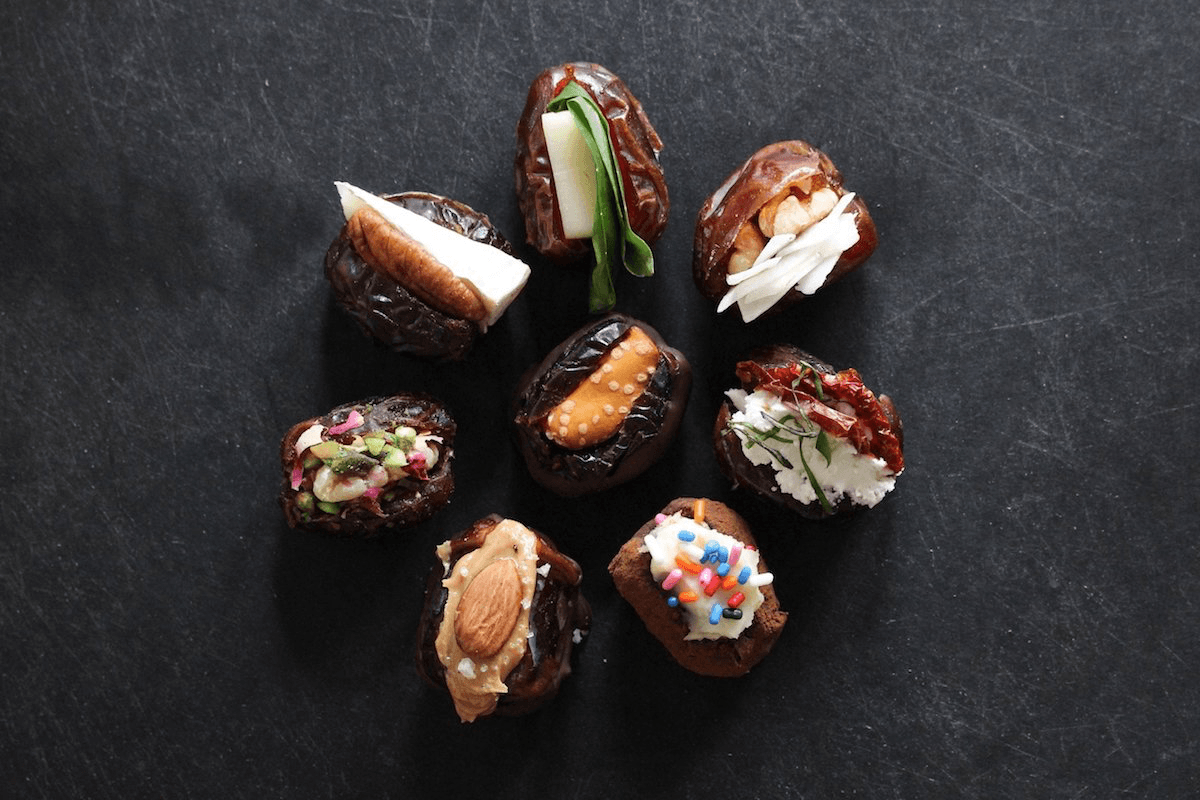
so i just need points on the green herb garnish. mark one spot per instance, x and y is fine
(800, 428)
(613, 240)
(825, 447)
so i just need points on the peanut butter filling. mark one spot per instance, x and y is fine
(598, 405)
(485, 627)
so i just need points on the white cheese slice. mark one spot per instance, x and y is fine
(574, 173)
(495, 276)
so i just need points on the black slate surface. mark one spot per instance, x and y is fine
(1017, 619)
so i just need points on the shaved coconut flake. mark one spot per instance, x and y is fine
(574, 173)
(801, 262)
(309, 438)
(495, 276)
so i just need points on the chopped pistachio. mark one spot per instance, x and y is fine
(329, 508)
(407, 437)
(395, 459)
(342, 459)
(325, 450)
(304, 501)
(375, 446)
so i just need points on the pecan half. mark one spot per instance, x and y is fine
(388, 249)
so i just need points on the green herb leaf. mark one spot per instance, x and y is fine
(812, 481)
(613, 240)
(816, 379)
(753, 437)
(825, 447)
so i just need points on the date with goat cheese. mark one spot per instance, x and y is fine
(811, 439)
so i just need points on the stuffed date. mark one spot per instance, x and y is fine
(777, 230)
(816, 441)
(363, 467)
(421, 273)
(587, 174)
(503, 612)
(602, 407)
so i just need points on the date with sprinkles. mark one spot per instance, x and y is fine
(710, 576)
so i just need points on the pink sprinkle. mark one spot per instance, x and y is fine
(659, 519)
(672, 579)
(297, 476)
(372, 492)
(416, 460)
(706, 575)
(352, 421)
(735, 553)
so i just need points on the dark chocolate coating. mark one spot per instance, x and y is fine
(760, 478)
(635, 144)
(641, 440)
(557, 611)
(720, 658)
(385, 309)
(763, 176)
(414, 501)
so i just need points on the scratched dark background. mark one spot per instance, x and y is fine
(1019, 618)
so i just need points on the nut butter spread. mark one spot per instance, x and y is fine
(486, 622)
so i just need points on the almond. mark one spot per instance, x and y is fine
(488, 609)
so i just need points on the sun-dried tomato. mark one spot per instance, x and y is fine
(869, 429)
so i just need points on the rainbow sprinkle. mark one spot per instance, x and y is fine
(672, 578)
(717, 574)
